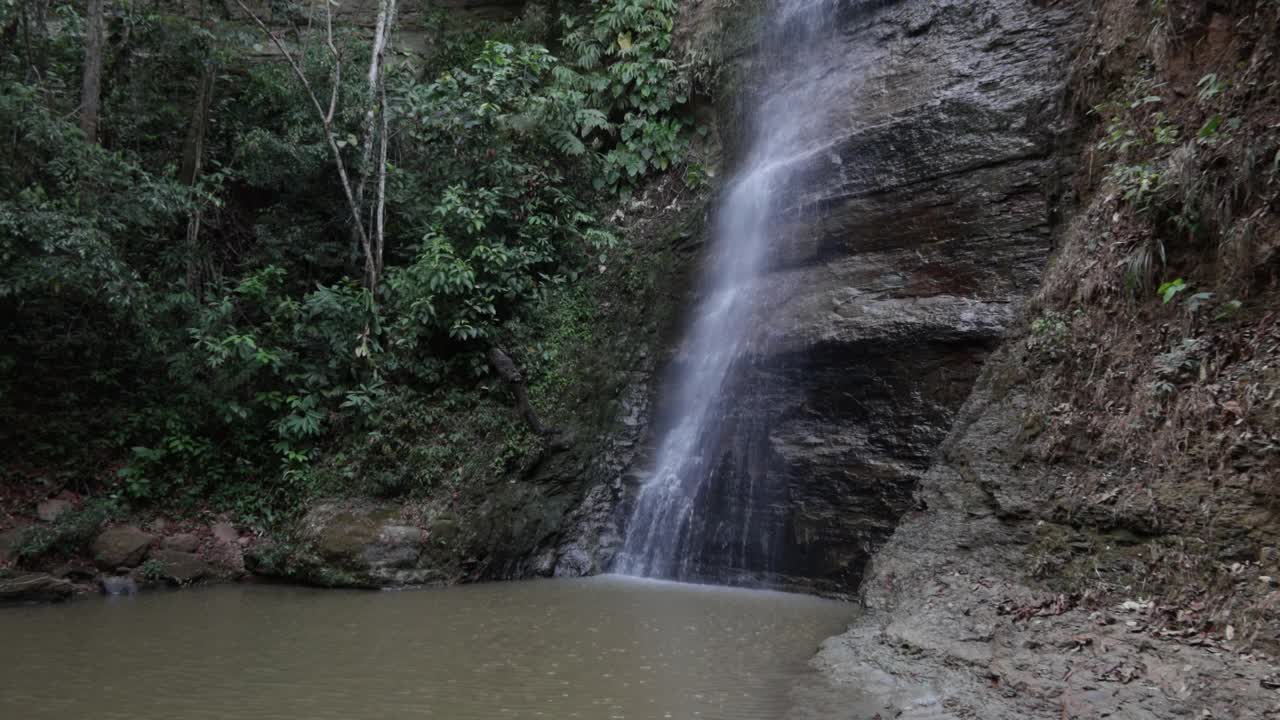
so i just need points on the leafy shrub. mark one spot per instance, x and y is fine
(152, 570)
(622, 66)
(69, 534)
(210, 332)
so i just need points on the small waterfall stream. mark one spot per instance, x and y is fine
(700, 514)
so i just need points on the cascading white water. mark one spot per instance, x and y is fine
(699, 516)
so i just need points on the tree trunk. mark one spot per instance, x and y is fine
(326, 118)
(91, 86)
(379, 218)
(37, 38)
(377, 109)
(189, 174)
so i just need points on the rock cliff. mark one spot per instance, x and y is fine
(1096, 537)
(922, 222)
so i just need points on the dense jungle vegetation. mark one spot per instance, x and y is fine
(229, 247)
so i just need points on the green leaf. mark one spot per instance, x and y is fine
(1169, 290)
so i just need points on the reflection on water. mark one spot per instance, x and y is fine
(598, 648)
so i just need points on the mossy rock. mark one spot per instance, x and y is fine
(345, 536)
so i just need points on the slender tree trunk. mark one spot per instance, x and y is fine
(376, 111)
(379, 219)
(37, 38)
(9, 30)
(362, 234)
(193, 146)
(192, 165)
(91, 85)
(326, 118)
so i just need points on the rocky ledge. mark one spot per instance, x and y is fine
(67, 549)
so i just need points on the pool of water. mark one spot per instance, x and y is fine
(598, 648)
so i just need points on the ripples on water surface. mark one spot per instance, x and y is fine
(599, 648)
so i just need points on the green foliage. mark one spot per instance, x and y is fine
(1210, 87)
(69, 534)
(209, 336)
(1169, 290)
(439, 443)
(1049, 333)
(621, 66)
(1132, 134)
(152, 570)
(508, 219)
(1229, 310)
(1175, 365)
(1137, 183)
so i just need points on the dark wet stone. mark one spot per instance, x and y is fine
(76, 570)
(122, 546)
(183, 542)
(9, 541)
(53, 508)
(225, 532)
(179, 567)
(35, 587)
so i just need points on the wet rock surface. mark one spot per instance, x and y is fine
(922, 222)
(9, 541)
(365, 545)
(1083, 548)
(53, 508)
(955, 632)
(957, 629)
(123, 546)
(182, 542)
(179, 568)
(35, 587)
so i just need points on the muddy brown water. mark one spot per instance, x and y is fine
(597, 648)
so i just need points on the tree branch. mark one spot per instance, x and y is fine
(381, 39)
(325, 119)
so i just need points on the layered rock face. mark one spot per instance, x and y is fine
(1097, 535)
(921, 219)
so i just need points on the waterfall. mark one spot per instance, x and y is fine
(699, 516)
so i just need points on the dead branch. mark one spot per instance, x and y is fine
(511, 375)
(326, 118)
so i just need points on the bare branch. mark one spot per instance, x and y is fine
(337, 60)
(380, 220)
(381, 34)
(325, 119)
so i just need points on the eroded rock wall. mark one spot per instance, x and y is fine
(1097, 535)
(923, 222)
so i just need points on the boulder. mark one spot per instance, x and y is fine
(180, 567)
(227, 559)
(183, 542)
(9, 540)
(76, 570)
(122, 546)
(35, 587)
(51, 509)
(351, 545)
(225, 532)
